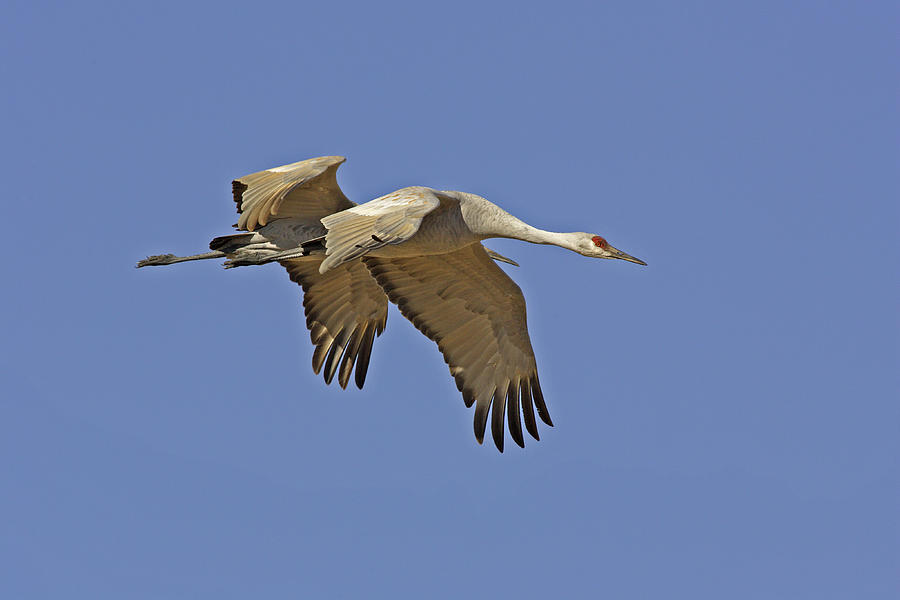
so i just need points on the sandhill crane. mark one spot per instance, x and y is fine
(421, 249)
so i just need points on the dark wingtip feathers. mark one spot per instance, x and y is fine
(510, 406)
(539, 403)
(335, 354)
(528, 410)
(237, 190)
(365, 352)
(349, 357)
(512, 413)
(339, 355)
(482, 408)
(498, 413)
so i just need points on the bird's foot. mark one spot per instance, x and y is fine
(158, 259)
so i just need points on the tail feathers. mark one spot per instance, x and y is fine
(230, 243)
(314, 246)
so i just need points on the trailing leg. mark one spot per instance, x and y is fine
(168, 259)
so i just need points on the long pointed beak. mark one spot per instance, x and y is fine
(616, 253)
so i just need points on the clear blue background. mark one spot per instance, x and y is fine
(726, 418)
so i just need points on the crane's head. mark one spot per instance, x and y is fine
(595, 246)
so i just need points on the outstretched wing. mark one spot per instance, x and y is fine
(391, 219)
(345, 309)
(305, 189)
(476, 314)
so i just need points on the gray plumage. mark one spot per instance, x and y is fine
(421, 249)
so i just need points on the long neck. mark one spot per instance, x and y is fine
(497, 223)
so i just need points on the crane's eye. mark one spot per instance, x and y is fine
(599, 242)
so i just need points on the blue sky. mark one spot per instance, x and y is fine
(726, 418)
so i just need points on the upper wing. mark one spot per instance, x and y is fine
(305, 189)
(476, 314)
(391, 219)
(345, 309)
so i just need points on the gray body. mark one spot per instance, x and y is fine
(417, 247)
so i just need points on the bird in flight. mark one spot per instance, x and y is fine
(417, 247)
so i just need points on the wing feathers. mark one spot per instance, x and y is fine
(482, 406)
(390, 219)
(350, 355)
(528, 410)
(365, 351)
(476, 314)
(345, 309)
(321, 351)
(335, 354)
(306, 189)
(497, 415)
(538, 395)
(512, 411)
